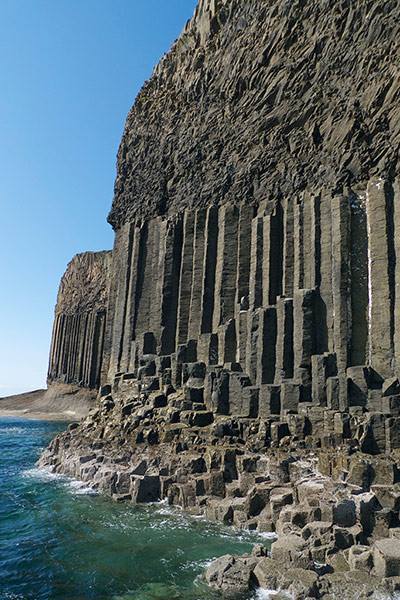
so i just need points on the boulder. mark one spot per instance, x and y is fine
(360, 558)
(257, 499)
(351, 585)
(346, 537)
(214, 484)
(388, 496)
(391, 387)
(386, 555)
(201, 418)
(344, 513)
(231, 575)
(300, 583)
(268, 573)
(292, 551)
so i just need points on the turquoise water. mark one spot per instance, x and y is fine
(57, 541)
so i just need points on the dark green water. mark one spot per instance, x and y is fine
(59, 542)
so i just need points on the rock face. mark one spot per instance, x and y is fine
(301, 301)
(256, 218)
(245, 331)
(256, 212)
(260, 100)
(79, 322)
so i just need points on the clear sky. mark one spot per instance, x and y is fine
(69, 72)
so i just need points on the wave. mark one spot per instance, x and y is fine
(15, 430)
(74, 486)
(81, 489)
(42, 474)
(262, 594)
(267, 535)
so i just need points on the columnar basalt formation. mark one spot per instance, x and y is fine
(247, 339)
(207, 286)
(79, 323)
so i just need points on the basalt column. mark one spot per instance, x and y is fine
(209, 271)
(396, 217)
(381, 253)
(359, 280)
(186, 276)
(243, 281)
(169, 285)
(197, 272)
(288, 248)
(340, 214)
(256, 263)
(122, 266)
(325, 281)
(226, 266)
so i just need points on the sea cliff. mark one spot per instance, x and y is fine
(244, 334)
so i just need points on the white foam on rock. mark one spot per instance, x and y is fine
(263, 594)
(80, 489)
(47, 476)
(42, 474)
(268, 535)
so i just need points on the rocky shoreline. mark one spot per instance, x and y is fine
(335, 511)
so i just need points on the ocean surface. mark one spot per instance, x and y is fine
(59, 541)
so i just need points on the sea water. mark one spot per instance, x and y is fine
(58, 540)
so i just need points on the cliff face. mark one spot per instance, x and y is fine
(252, 335)
(80, 313)
(256, 215)
(260, 100)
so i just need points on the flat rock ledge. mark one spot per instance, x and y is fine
(334, 511)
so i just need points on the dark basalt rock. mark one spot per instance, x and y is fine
(259, 100)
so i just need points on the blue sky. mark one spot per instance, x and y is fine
(69, 72)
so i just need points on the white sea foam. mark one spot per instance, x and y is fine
(268, 535)
(46, 476)
(262, 594)
(80, 489)
(203, 564)
(163, 502)
(12, 430)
